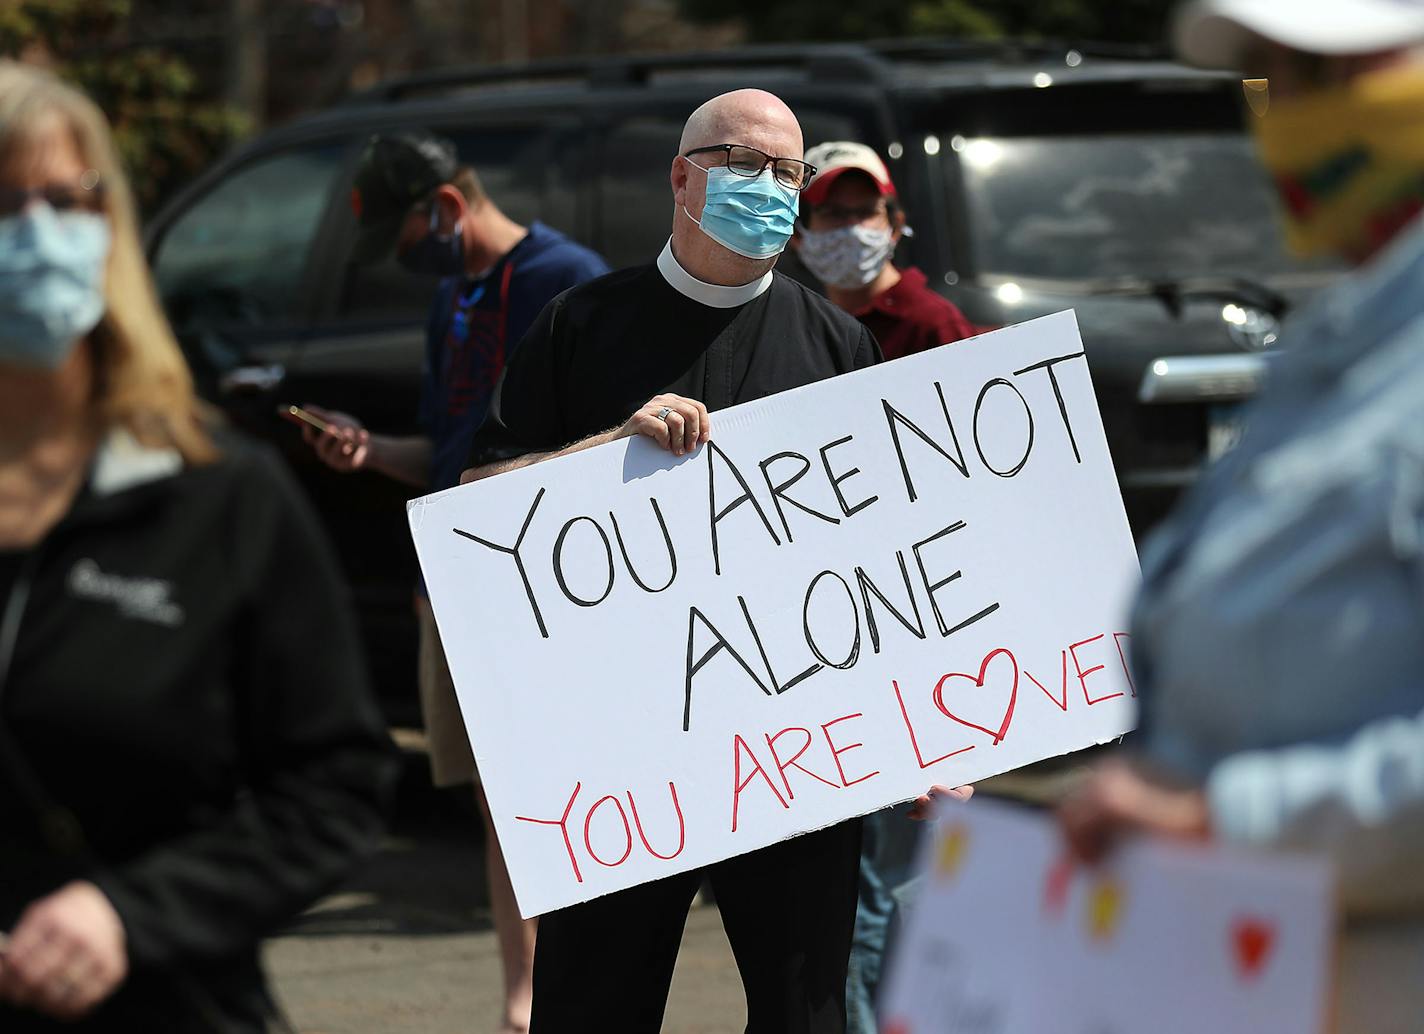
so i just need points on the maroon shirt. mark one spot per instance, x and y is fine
(910, 318)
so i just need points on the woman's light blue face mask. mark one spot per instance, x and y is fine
(51, 283)
(752, 216)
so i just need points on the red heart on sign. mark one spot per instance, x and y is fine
(978, 681)
(1253, 940)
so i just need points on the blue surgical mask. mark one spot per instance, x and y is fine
(435, 254)
(51, 283)
(752, 216)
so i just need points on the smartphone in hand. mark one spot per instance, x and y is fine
(298, 415)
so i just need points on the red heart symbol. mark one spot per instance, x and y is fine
(978, 681)
(1253, 940)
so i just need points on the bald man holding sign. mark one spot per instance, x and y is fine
(706, 326)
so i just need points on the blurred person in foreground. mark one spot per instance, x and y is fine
(413, 197)
(1279, 637)
(851, 220)
(189, 753)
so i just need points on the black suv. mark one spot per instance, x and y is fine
(1037, 178)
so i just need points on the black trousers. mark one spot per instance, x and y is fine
(789, 912)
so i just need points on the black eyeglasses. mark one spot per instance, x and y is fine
(791, 173)
(87, 195)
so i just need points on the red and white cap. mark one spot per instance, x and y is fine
(839, 156)
(1214, 33)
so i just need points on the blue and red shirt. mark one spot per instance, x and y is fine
(473, 327)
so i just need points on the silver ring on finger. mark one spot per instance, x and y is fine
(663, 413)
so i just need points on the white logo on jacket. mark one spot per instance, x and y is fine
(148, 599)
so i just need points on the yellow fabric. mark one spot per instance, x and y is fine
(1355, 151)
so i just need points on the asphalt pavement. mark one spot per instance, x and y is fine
(407, 944)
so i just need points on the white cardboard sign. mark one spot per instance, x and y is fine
(1006, 936)
(910, 574)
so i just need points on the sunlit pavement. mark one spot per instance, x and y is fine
(407, 944)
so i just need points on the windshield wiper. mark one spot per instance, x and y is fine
(1172, 292)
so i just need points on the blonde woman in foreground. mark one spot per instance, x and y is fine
(189, 753)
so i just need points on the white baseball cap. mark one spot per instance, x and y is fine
(1213, 33)
(835, 157)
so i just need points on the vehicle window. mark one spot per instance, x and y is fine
(237, 256)
(819, 126)
(1126, 205)
(635, 201)
(510, 163)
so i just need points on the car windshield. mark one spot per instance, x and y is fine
(1122, 205)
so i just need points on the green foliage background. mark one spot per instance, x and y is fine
(1115, 21)
(165, 129)
(170, 121)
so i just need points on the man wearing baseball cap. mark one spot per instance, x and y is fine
(411, 196)
(1278, 642)
(850, 223)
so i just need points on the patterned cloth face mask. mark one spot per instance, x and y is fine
(848, 256)
(1348, 161)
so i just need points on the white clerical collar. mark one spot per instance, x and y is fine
(715, 295)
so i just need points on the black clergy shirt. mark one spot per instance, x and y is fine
(600, 350)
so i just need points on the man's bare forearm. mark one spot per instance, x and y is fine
(529, 459)
(669, 421)
(406, 459)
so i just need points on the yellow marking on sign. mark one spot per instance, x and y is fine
(949, 856)
(1104, 909)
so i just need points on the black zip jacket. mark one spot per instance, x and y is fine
(187, 682)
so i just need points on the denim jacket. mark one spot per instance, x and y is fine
(1279, 636)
